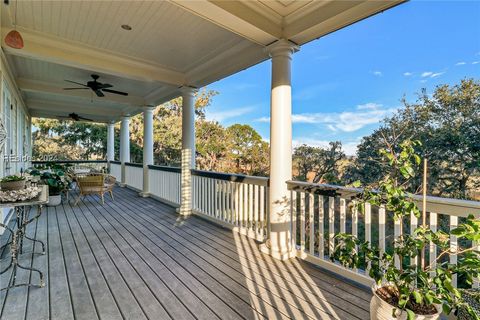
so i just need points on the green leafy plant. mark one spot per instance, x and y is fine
(414, 288)
(12, 178)
(54, 182)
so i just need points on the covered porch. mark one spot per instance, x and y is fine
(135, 258)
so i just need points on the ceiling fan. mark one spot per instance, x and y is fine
(75, 117)
(96, 87)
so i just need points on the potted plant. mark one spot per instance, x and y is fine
(409, 290)
(55, 185)
(12, 182)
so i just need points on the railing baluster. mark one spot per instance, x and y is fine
(413, 226)
(240, 216)
(302, 222)
(331, 225)
(396, 234)
(255, 210)
(381, 228)
(433, 247)
(311, 223)
(355, 223)
(237, 203)
(293, 210)
(250, 207)
(343, 213)
(223, 195)
(321, 228)
(453, 246)
(262, 212)
(368, 227)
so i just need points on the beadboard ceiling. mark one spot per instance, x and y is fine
(172, 43)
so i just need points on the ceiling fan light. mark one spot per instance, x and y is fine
(14, 39)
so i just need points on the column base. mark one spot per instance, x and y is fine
(144, 194)
(276, 253)
(184, 212)
(122, 185)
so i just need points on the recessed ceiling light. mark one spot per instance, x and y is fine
(126, 27)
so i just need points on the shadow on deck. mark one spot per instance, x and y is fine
(132, 258)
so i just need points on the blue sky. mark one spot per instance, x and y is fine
(343, 84)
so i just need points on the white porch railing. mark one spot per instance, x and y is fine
(134, 175)
(164, 183)
(319, 212)
(240, 202)
(98, 165)
(116, 170)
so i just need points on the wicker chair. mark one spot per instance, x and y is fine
(95, 184)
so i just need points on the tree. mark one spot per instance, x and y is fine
(211, 145)
(448, 125)
(323, 163)
(247, 151)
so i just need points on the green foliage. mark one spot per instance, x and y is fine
(322, 162)
(413, 284)
(448, 124)
(12, 178)
(56, 184)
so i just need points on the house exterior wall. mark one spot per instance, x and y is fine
(17, 122)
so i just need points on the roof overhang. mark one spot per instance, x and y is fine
(171, 44)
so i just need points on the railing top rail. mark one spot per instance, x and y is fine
(115, 162)
(261, 181)
(69, 161)
(165, 168)
(133, 164)
(434, 204)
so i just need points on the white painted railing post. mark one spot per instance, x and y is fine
(188, 149)
(124, 145)
(110, 143)
(279, 244)
(147, 147)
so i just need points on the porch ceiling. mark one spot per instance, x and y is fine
(172, 43)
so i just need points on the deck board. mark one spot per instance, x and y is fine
(134, 258)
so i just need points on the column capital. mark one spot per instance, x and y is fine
(148, 108)
(282, 47)
(185, 89)
(126, 117)
(111, 123)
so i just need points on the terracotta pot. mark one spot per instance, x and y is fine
(381, 310)
(54, 200)
(12, 185)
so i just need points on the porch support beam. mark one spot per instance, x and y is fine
(110, 141)
(124, 146)
(53, 49)
(188, 149)
(279, 243)
(147, 147)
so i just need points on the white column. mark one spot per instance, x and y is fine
(124, 145)
(188, 149)
(111, 141)
(279, 244)
(147, 147)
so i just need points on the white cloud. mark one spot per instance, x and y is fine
(228, 114)
(407, 74)
(475, 62)
(350, 147)
(427, 74)
(423, 81)
(461, 63)
(346, 121)
(438, 74)
(377, 73)
(430, 74)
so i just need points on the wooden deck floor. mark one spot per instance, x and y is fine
(133, 259)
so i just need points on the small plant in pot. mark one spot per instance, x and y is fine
(55, 185)
(12, 182)
(407, 287)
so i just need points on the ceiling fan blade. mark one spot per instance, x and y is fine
(85, 119)
(80, 84)
(76, 88)
(116, 92)
(106, 85)
(99, 93)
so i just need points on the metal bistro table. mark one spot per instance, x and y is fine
(21, 210)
